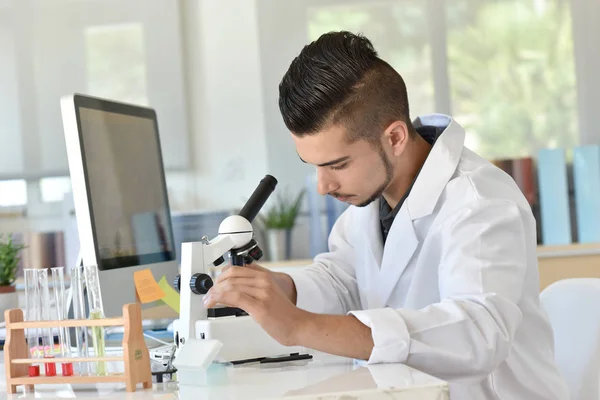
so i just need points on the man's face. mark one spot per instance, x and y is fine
(356, 173)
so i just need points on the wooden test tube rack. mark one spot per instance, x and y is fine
(135, 353)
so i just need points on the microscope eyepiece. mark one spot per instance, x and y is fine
(259, 198)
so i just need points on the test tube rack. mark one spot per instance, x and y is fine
(135, 353)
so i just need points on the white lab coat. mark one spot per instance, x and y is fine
(454, 292)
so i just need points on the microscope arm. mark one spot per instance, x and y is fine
(196, 259)
(216, 248)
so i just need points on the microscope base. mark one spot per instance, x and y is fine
(242, 338)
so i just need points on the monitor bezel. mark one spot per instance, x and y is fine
(84, 207)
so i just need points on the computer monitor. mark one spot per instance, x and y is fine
(120, 194)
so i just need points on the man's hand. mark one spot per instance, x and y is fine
(269, 297)
(285, 282)
(262, 294)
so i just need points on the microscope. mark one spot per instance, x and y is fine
(240, 338)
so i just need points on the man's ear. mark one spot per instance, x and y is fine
(396, 137)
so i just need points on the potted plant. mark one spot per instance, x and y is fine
(278, 223)
(9, 263)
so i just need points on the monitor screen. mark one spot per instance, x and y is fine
(127, 196)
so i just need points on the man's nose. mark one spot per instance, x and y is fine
(324, 183)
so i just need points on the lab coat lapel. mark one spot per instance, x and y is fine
(370, 260)
(438, 169)
(396, 255)
(374, 233)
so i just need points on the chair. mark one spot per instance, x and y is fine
(573, 307)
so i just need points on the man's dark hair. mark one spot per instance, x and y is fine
(339, 79)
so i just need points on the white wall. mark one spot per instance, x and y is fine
(276, 53)
(10, 156)
(586, 18)
(234, 60)
(222, 69)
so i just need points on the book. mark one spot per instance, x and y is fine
(586, 176)
(554, 197)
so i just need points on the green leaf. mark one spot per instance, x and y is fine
(511, 66)
(9, 259)
(283, 214)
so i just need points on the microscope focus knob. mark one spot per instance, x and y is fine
(177, 283)
(200, 283)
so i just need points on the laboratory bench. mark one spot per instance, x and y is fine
(323, 377)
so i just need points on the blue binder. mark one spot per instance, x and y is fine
(586, 172)
(554, 197)
(317, 234)
(333, 208)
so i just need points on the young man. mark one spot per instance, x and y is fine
(434, 265)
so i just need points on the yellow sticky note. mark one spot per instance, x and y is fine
(171, 296)
(146, 287)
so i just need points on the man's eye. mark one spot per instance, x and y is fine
(339, 166)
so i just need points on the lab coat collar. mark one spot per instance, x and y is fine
(439, 166)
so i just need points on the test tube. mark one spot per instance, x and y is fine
(47, 337)
(31, 306)
(92, 284)
(64, 341)
(81, 340)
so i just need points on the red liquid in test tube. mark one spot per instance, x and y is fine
(34, 370)
(64, 342)
(47, 337)
(67, 369)
(50, 368)
(32, 313)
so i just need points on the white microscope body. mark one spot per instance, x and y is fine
(240, 337)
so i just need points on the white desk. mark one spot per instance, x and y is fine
(325, 377)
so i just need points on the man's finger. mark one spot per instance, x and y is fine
(238, 272)
(256, 267)
(239, 299)
(232, 288)
(256, 282)
(226, 268)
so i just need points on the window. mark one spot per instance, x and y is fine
(507, 75)
(116, 64)
(512, 75)
(11, 148)
(13, 193)
(397, 32)
(106, 48)
(54, 189)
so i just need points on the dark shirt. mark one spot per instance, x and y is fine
(386, 214)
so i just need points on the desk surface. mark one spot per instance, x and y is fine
(324, 377)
